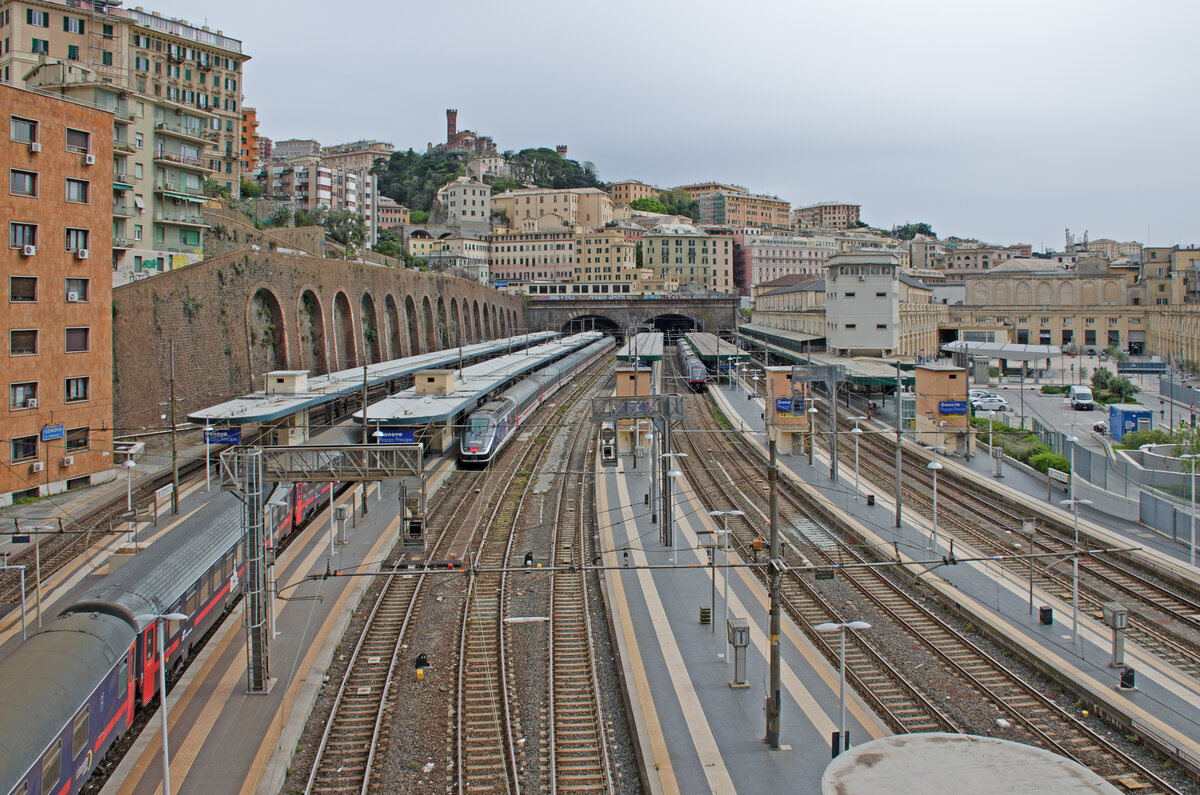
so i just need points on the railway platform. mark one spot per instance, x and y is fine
(1166, 705)
(696, 732)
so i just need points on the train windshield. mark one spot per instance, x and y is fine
(478, 429)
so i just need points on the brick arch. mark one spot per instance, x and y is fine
(310, 325)
(487, 321)
(478, 322)
(456, 322)
(391, 319)
(266, 333)
(502, 322)
(428, 337)
(443, 324)
(412, 325)
(344, 338)
(370, 329)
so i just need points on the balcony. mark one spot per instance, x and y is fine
(120, 242)
(123, 146)
(181, 189)
(177, 159)
(179, 218)
(191, 133)
(124, 210)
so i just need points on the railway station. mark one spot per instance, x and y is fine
(642, 348)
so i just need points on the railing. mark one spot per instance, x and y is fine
(180, 218)
(124, 146)
(123, 209)
(191, 132)
(173, 157)
(176, 187)
(120, 242)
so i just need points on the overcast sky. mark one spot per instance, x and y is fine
(1007, 123)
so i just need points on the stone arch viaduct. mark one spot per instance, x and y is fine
(234, 317)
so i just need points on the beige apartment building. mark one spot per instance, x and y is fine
(826, 215)
(590, 208)
(523, 256)
(739, 210)
(467, 254)
(684, 252)
(629, 190)
(698, 189)
(56, 419)
(466, 202)
(605, 257)
(356, 156)
(140, 52)
(293, 148)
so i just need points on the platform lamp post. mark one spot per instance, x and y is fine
(1074, 503)
(207, 459)
(668, 508)
(754, 378)
(812, 431)
(843, 742)
(934, 466)
(129, 465)
(857, 431)
(724, 566)
(1191, 457)
(159, 618)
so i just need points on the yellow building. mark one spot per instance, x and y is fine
(591, 208)
(698, 189)
(686, 253)
(630, 190)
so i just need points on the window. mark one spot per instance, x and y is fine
(72, 52)
(52, 767)
(138, 140)
(23, 448)
(77, 239)
(77, 389)
(23, 342)
(39, 19)
(22, 183)
(77, 288)
(80, 731)
(19, 395)
(77, 339)
(78, 141)
(77, 191)
(40, 47)
(23, 130)
(77, 439)
(22, 288)
(106, 58)
(137, 170)
(122, 678)
(141, 63)
(108, 31)
(881, 325)
(72, 25)
(851, 325)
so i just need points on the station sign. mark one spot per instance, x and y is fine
(951, 407)
(396, 437)
(783, 407)
(52, 432)
(223, 436)
(20, 539)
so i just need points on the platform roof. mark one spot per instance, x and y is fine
(1011, 351)
(647, 345)
(766, 332)
(260, 407)
(866, 370)
(709, 346)
(408, 409)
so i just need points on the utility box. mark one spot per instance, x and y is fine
(287, 382)
(434, 382)
(1125, 418)
(738, 630)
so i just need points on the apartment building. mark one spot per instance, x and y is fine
(520, 257)
(390, 214)
(312, 186)
(356, 156)
(690, 255)
(827, 215)
(591, 208)
(296, 148)
(606, 256)
(466, 202)
(768, 257)
(725, 208)
(248, 158)
(698, 189)
(157, 167)
(629, 190)
(467, 254)
(927, 253)
(57, 420)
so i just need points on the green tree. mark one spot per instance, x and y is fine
(546, 168)
(909, 231)
(679, 202)
(251, 189)
(347, 228)
(213, 188)
(388, 248)
(413, 180)
(418, 216)
(648, 206)
(305, 218)
(281, 216)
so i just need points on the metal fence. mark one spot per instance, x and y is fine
(1165, 516)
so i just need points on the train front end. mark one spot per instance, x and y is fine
(478, 444)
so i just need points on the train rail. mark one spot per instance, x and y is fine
(960, 663)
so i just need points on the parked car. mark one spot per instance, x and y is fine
(1100, 427)
(989, 403)
(973, 394)
(1080, 398)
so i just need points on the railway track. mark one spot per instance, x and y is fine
(960, 663)
(1163, 620)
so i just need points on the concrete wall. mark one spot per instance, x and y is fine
(234, 317)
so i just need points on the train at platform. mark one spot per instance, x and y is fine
(694, 371)
(73, 689)
(490, 427)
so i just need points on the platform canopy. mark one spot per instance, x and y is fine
(1010, 351)
(643, 346)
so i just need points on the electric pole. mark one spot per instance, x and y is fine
(773, 696)
(174, 454)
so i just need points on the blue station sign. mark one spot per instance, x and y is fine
(52, 432)
(223, 436)
(397, 437)
(951, 407)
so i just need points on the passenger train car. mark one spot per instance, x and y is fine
(71, 690)
(491, 426)
(694, 371)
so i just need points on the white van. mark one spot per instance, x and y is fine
(1081, 398)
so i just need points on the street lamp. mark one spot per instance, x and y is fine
(812, 430)
(725, 570)
(129, 466)
(934, 466)
(162, 685)
(668, 514)
(752, 395)
(857, 432)
(843, 741)
(208, 460)
(1192, 463)
(1074, 503)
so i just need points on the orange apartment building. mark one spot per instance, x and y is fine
(248, 158)
(630, 190)
(827, 215)
(740, 210)
(56, 422)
